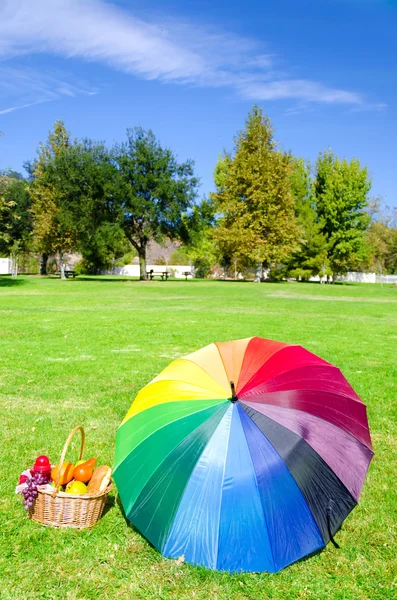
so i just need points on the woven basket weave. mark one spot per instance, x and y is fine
(58, 509)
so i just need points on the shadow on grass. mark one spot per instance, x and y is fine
(8, 281)
(118, 279)
(110, 503)
(104, 279)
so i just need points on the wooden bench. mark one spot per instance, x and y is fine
(151, 274)
(68, 273)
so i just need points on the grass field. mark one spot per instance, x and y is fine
(77, 351)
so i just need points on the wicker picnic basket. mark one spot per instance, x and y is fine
(59, 509)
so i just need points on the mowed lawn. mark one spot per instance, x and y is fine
(77, 351)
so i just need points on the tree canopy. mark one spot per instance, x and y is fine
(254, 197)
(341, 191)
(153, 193)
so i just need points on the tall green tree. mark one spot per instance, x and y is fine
(154, 191)
(254, 197)
(53, 233)
(341, 191)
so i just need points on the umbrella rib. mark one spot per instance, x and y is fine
(163, 426)
(178, 381)
(266, 381)
(245, 401)
(221, 495)
(288, 408)
(206, 372)
(260, 496)
(265, 361)
(184, 452)
(303, 441)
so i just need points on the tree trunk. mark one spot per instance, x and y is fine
(14, 265)
(43, 265)
(142, 263)
(264, 265)
(61, 265)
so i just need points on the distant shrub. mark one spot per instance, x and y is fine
(83, 267)
(202, 268)
(179, 257)
(301, 274)
(277, 274)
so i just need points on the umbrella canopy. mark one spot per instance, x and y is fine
(243, 456)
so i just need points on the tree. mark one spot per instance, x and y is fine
(86, 181)
(391, 259)
(15, 216)
(341, 191)
(201, 247)
(254, 198)
(381, 239)
(310, 259)
(154, 191)
(53, 233)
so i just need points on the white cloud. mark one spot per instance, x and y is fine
(171, 51)
(300, 89)
(12, 108)
(24, 87)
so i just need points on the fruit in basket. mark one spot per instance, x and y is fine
(66, 473)
(76, 487)
(30, 491)
(80, 462)
(83, 472)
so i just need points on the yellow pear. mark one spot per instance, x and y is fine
(76, 487)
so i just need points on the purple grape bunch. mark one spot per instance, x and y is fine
(30, 492)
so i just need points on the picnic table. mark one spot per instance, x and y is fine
(163, 274)
(68, 273)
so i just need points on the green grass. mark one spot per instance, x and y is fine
(78, 351)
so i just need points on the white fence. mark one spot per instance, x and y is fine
(386, 279)
(358, 277)
(133, 270)
(5, 266)
(361, 278)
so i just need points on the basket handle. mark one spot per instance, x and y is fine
(65, 449)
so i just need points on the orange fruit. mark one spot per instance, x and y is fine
(66, 474)
(91, 462)
(83, 472)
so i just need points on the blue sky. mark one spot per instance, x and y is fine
(323, 70)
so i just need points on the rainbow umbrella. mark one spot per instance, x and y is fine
(243, 456)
